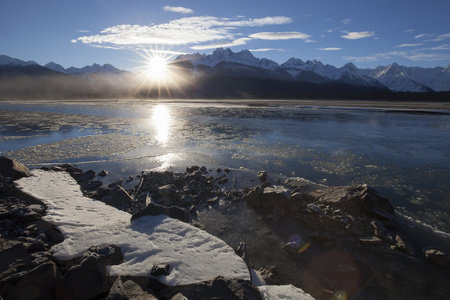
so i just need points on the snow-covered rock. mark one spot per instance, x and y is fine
(193, 254)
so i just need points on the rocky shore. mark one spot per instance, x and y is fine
(332, 242)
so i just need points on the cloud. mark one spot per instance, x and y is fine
(184, 31)
(83, 30)
(409, 45)
(357, 35)
(409, 30)
(178, 9)
(280, 35)
(238, 42)
(347, 21)
(73, 41)
(375, 57)
(330, 49)
(267, 49)
(415, 55)
(440, 38)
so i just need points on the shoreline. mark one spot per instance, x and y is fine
(401, 105)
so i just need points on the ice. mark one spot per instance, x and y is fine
(275, 292)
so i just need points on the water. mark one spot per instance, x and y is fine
(402, 154)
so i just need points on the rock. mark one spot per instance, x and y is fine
(117, 196)
(90, 185)
(192, 169)
(254, 196)
(153, 209)
(24, 215)
(268, 276)
(370, 241)
(168, 190)
(103, 173)
(39, 283)
(217, 288)
(241, 251)
(314, 208)
(437, 257)
(360, 197)
(160, 269)
(114, 184)
(401, 245)
(88, 175)
(262, 176)
(37, 246)
(12, 168)
(87, 278)
(296, 182)
(275, 196)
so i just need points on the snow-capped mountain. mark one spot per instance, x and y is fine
(220, 55)
(395, 77)
(412, 79)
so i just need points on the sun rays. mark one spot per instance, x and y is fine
(159, 76)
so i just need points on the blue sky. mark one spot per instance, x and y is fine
(367, 33)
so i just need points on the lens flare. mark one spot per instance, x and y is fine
(157, 68)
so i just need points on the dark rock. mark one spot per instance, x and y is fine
(101, 192)
(192, 169)
(219, 170)
(88, 175)
(359, 197)
(222, 180)
(117, 196)
(401, 245)
(217, 288)
(87, 278)
(36, 247)
(90, 185)
(114, 184)
(437, 257)
(241, 251)
(269, 276)
(39, 283)
(12, 168)
(24, 215)
(160, 269)
(254, 197)
(103, 173)
(154, 209)
(227, 170)
(275, 196)
(129, 291)
(262, 176)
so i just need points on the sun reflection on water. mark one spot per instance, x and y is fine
(161, 122)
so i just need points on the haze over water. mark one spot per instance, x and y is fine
(403, 155)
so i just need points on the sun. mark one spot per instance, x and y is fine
(157, 68)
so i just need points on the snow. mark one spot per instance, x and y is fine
(272, 292)
(193, 254)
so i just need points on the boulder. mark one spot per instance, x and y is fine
(129, 290)
(88, 175)
(39, 283)
(160, 269)
(217, 288)
(437, 257)
(153, 209)
(12, 168)
(117, 196)
(87, 278)
(262, 176)
(359, 197)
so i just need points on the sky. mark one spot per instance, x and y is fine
(367, 33)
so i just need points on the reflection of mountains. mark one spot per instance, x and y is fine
(225, 80)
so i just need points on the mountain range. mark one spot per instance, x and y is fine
(394, 77)
(226, 74)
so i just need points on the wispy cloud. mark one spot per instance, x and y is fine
(330, 49)
(238, 42)
(280, 35)
(267, 49)
(409, 30)
(347, 21)
(440, 38)
(357, 35)
(214, 31)
(423, 54)
(178, 9)
(82, 30)
(409, 45)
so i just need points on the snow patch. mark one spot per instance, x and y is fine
(193, 254)
(278, 292)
